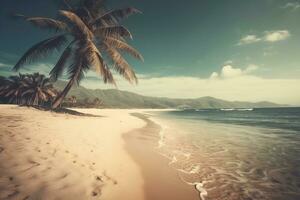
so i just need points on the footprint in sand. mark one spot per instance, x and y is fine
(37, 149)
(94, 193)
(1, 149)
(99, 178)
(96, 189)
(114, 181)
(64, 175)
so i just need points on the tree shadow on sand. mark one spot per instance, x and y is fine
(65, 111)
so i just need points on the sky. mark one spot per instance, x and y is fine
(234, 50)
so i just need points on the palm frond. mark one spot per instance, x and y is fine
(84, 14)
(78, 24)
(119, 44)
(113, 31)
(47, 23)
(76, 72)
(26, 92)
(115, 15)
(121, 65)
(76, 68)
(58, 69)
(40, 50)
(93, 58)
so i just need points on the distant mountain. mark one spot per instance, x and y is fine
(122, 99)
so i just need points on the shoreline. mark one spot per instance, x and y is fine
(48, 155)
(161, 180)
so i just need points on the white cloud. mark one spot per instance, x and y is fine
(274, 36)
(214, 75)
(228, 71)
(249, 39)
(292, 5)
(269, 36)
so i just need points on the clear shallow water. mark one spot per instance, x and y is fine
(235, 154)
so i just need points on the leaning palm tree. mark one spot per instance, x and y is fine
(92, 39)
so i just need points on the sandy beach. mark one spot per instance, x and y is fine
(47, 155)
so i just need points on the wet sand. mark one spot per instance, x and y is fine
(161, 181)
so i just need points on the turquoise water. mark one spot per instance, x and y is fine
(281, 118)
(234, 154)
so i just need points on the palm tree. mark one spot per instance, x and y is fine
(11, 88)
(30, 89)
(92, 39)
(38, 90)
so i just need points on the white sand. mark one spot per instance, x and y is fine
(45, 155)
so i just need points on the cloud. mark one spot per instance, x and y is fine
(214, 75)
(228, 71)
(268, 36)
(249, 39)
(292, 5)
(274, 36)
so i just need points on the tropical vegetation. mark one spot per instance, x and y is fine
(90, 37)
(27, 89)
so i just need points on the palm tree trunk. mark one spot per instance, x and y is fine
(57, 102)
(63, 94)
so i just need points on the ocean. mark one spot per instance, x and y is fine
(234, 154)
